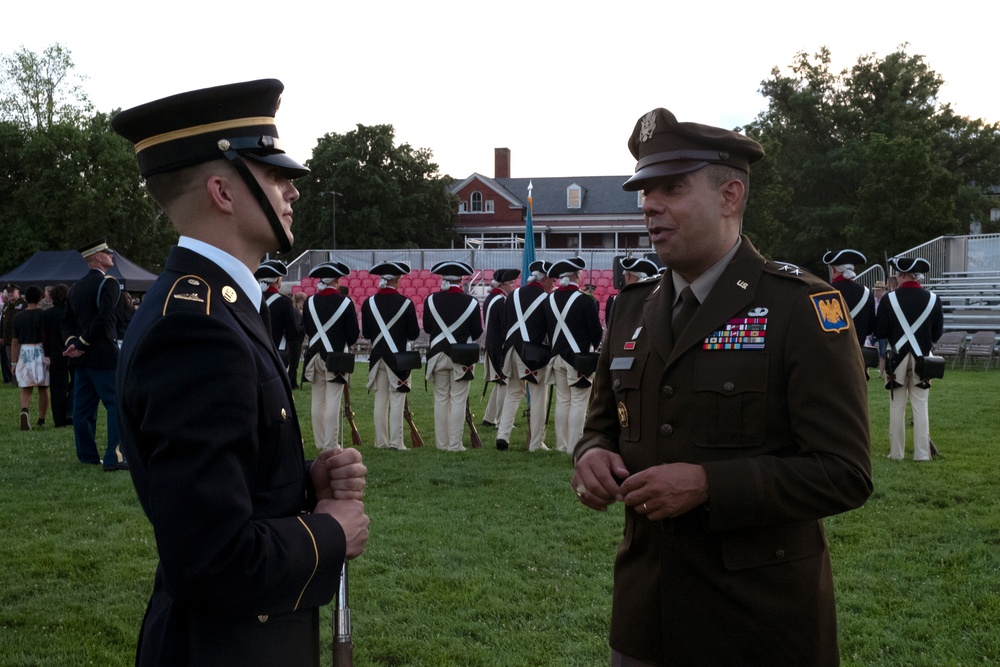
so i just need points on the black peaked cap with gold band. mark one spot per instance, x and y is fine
(234, 122)
(663, 146)
(201, 125)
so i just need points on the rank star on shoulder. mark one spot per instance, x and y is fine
(791, 268)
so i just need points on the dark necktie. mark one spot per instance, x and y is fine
(689, 304)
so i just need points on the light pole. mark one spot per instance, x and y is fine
(333, 199)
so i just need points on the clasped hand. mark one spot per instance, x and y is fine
(339, 478)
(660, 492)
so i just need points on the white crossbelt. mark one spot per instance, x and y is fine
(522, 317)
(448, 332)
(861, 304)
(489, 309)
(321, 328)
(383, 328)
(271, 299)
(909, 331)
(561, 327)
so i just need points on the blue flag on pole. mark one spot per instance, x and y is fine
(529, 241)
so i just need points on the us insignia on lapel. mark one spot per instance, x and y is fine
(831, 311)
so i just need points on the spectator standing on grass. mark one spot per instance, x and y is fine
(90, 332)
(729, 416)
(60, 377)
(30, 365)
(251, 537)
(13, 303)
(912, 320)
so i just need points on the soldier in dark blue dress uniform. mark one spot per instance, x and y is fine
(251, 536)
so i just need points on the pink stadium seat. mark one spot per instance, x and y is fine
(425, 273)
(296, 289)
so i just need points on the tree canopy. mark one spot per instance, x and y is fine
(66, 177)
(387, 196)
(868, 158)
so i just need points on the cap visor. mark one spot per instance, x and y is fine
(659, 170)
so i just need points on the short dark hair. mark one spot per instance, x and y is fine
(58, 294)
(720, 173)
(33, 294)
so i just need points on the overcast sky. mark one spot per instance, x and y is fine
(560, 84)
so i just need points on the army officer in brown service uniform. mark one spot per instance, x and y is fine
(729, 422)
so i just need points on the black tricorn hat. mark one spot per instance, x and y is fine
(329, 270)
(452, 267)
(505, 275)
(271, 268)
(910, 264)
(390, 269)
(540, 266)
(567, 266)
(200, 125)
(846, 256)
(665, 147)
(639, 265)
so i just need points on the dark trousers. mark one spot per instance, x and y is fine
(60, 386)
(93, 386)
(5, 363)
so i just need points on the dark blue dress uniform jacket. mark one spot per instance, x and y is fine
(215, 453)
(89, 322)
(782, 432)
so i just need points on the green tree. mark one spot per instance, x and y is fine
(867, 158)
(38, 91)
(388, 196)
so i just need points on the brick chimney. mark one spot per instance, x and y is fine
(501, 163)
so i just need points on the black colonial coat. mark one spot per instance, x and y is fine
(215, 452)
(451, 304)
(406, 328)
(493, 323)
(342, 334)
(782, 433)
(284, 326)
(535, 323)
(582, 320)
(90, 322)
(913, 300)
(864, 321)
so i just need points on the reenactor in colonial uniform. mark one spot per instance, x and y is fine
(251, 536)
(574, 329)
(911, 319)
(281, 310)
(634, 269)
(493, 338)
(91, 339)
(331, 325)
(454, 324)
(389, 321)
(526, 356)
(860, 300)
(729, 416)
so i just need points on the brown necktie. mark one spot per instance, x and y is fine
(689, 304)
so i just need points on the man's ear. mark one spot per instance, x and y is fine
(221, 193)
(732, 192)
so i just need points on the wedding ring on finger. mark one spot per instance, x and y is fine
(580, 490)
(645, 509)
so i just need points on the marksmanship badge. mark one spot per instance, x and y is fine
(831, 311)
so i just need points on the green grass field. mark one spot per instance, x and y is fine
(486, 558)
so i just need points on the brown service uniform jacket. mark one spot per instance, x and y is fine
(782, 432)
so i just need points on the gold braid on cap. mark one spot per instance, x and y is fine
(202, 129)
